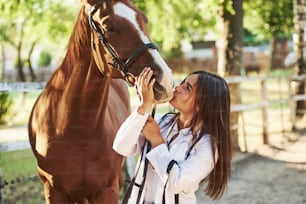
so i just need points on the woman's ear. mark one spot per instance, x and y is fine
(197, 108)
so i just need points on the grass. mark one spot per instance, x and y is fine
(17, 163)
(20, 174)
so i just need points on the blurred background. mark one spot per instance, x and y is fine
(258, 46)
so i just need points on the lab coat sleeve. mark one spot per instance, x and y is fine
(129, 140)
(185, 175)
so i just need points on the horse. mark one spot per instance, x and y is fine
(75, 118)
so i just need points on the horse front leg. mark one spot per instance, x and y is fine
(107, 196)
(54, 196)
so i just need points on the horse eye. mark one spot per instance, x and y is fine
(109, 27)
(111, 30)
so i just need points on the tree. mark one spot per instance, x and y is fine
(24, 23)
(269, 20)
(299, 44)
(230, 53)
(18, 16)
(170, 21)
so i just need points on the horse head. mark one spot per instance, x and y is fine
(120, 39)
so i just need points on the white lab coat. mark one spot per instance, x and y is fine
(184, 177)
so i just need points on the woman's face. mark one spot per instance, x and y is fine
(184, 95)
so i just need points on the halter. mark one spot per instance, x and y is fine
(119, 64)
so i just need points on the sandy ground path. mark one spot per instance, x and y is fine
(269, 175)
(14, 138)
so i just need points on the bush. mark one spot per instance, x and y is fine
(44, 59)
(5, 104)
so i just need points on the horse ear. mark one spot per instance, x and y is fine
(86, 4)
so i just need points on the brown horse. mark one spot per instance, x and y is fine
(75, 119)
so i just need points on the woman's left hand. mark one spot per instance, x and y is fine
(151, 132)
(144, 83)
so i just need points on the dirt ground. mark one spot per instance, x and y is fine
(269, 174)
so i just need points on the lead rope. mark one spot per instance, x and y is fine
(146, 163)
(147, 148)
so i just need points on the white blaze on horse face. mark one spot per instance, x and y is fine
(129, 14)
(126, 12)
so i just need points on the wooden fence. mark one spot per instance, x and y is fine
(281, 96)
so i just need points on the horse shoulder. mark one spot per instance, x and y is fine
(118, 103)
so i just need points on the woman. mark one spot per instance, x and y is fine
(187, 147)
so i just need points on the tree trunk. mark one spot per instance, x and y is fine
(230, 55)
(20, 71)
(272, 65)
(21, 74)
(3, 62)
(32, 73)
(298, 41)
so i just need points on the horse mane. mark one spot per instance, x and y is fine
(79, 38)
(78, 44)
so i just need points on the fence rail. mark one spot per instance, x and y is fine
(21, 86)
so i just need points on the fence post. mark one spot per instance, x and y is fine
(292, 104)
(264, 94)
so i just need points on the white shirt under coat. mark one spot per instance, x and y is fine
(183, 179)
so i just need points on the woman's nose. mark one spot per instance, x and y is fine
(177, 88)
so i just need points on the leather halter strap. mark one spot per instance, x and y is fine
(98, 36)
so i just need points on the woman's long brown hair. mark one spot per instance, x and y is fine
(212, 103)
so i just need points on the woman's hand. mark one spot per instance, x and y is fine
(151, 132)
(144, 85)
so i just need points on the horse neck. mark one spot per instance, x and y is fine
(81, 86)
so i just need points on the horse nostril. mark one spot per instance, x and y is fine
(153, 77)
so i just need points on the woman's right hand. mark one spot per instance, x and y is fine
(144, 85)
(151, 132)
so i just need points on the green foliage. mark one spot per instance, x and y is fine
(13, 162)
(5, 104)
(24, 23)
(20, 116)
(59, 18)
(20, 167)
(266, 18)
(44, 59)
(251, 40)
(170, 21)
